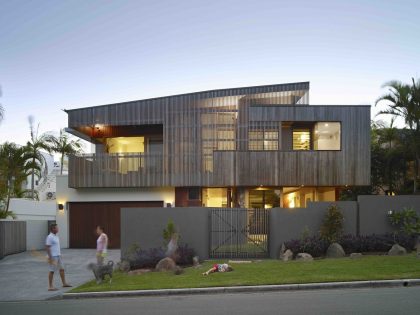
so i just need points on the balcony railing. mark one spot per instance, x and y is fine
(116, 170)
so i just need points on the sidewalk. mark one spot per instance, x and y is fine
(242, 289)
(24, 276)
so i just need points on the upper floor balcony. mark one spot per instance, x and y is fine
(116, 170)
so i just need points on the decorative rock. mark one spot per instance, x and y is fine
(335, 251)
(356, 255)
(166, 264)
(196, 261)
(304, 257)
(397, 250)
(282, 250)
(124, 266)
(287, 255)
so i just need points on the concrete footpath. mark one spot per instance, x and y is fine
(24, 276)
(250, 289)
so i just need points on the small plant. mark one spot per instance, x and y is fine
(169, 231)
(406, 221)
(332, 226)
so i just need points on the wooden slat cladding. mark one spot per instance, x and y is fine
(205, 141)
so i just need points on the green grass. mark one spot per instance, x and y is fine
(269, 272)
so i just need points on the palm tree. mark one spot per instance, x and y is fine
(404, 101)
(65, 146)
(35, 145)
(14, 170)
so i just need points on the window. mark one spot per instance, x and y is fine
(194, 193)
(301, 139)
(327, 136)
(226, 139)
(263, 140)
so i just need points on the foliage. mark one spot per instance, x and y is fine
(7, 214)
(36, 144)
(64, 145)
(406, 220)
(15, 167)
(148, 258)
(169, 231)
(317, 247)
(314, 245)
(332, 226)
(403, 100)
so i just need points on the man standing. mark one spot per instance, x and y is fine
(54, 258)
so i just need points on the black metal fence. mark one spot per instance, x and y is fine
(239, 233)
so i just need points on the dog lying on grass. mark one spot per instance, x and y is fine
(100, 271)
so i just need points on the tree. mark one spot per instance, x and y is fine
(14, 169)
(65, 146)
(35, 145)
(403, 101)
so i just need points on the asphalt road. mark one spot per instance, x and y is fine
(404, 300)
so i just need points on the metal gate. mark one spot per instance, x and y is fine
(239, 233)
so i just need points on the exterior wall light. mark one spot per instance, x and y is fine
(390, 212)
(60, 206)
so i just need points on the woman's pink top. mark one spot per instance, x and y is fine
(102, 243)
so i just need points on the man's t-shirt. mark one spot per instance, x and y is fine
(53, 241)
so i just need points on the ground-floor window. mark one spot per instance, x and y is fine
(298, 197)
(215, 197)
(264, 198)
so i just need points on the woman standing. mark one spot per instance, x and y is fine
(101, 245)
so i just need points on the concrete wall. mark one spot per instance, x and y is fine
(287, 224)
(26, 209)
(144, 226)
(374, 211)
(65, 194)
(12, 237)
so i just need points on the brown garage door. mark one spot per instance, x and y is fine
(85, 216)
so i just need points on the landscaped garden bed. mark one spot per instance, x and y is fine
(268, 272)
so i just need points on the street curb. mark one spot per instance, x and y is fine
(242, 289)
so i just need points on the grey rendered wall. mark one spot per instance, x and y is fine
(287, 224)
(374, 210)
(36, 232)
(12, 237)
(144, 226)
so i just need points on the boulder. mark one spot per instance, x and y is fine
(356, 255)
(123, 266)
(196, 261)
(166, 264)
(397, 250)
(282, 250)
(335, 251)
(287, 255)
(304, 257)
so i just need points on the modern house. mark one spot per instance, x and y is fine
(253, 147)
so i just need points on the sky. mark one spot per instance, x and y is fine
(57, 55)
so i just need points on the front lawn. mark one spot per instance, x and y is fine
(268, 272)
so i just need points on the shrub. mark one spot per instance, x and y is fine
(150, 257)
(184, 255)
(332, 226)
(168, 231)
(317, 247)
(314, 245)
(406, 221)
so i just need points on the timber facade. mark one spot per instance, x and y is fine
(262, 146)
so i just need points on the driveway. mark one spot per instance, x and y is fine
(24, 276)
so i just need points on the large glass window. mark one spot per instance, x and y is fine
(215, 197)
(327, 136)
(264, 198)
(263, 140)
(301, 139)
(125, 145)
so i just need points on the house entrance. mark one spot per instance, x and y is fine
(239, 233)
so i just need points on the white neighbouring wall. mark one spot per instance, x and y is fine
(65, 194)
(36, 214)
